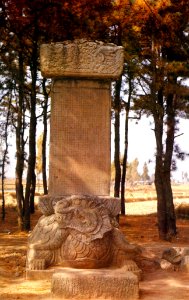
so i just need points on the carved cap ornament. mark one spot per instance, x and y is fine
(81, 58)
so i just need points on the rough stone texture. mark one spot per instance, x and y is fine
(41, 274)
(172, 255)
(80, 138)
(166, 265)
(176, 259)
(81, 58)
(81, 233)
(80, 115)
(131, 266)
(184, 266)
(95, 284)
(185, 251)
(47, 204)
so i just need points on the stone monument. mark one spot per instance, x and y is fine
(77, 240)
(80, 115)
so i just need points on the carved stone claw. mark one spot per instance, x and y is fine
(37, 264)
(131, 266)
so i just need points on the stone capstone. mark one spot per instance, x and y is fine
(81, 58)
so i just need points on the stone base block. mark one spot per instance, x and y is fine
(95, 284)
(39, 274)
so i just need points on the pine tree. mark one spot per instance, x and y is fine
(145, 176)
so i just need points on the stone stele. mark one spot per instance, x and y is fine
(78, 229)
(80, 114)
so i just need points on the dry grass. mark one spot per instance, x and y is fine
(10, 185)
(10, 193)
(148, 192)
(135, 193)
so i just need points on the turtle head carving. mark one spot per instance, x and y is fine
(84, 216)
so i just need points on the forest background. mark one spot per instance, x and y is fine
(155, 37)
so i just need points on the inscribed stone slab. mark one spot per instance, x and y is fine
(80, 138)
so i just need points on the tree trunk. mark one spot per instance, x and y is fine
(161, 201)
(32, 193)
(117, 109)
(31, 177)
(44, 142)
(30, 180)
(4, 160)
(165, 206)
(124, 165)
(170, 212)
(3, 188)
(20, 145)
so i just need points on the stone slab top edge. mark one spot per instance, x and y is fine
(81, 59)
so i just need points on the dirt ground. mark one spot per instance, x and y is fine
(142, 230)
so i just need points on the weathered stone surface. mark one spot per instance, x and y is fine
(81, 233)
(185, 251)
(81, 58)
(173, 255)
(131, 266)
(80, 114)
(80, 138)
(166, 265)
(47, 203)
(176, 259)
(184, 266)
(41, 274)
(95, 284)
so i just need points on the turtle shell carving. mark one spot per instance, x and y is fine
(88, 243)
(79, 234)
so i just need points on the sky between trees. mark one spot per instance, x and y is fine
(141, 136)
